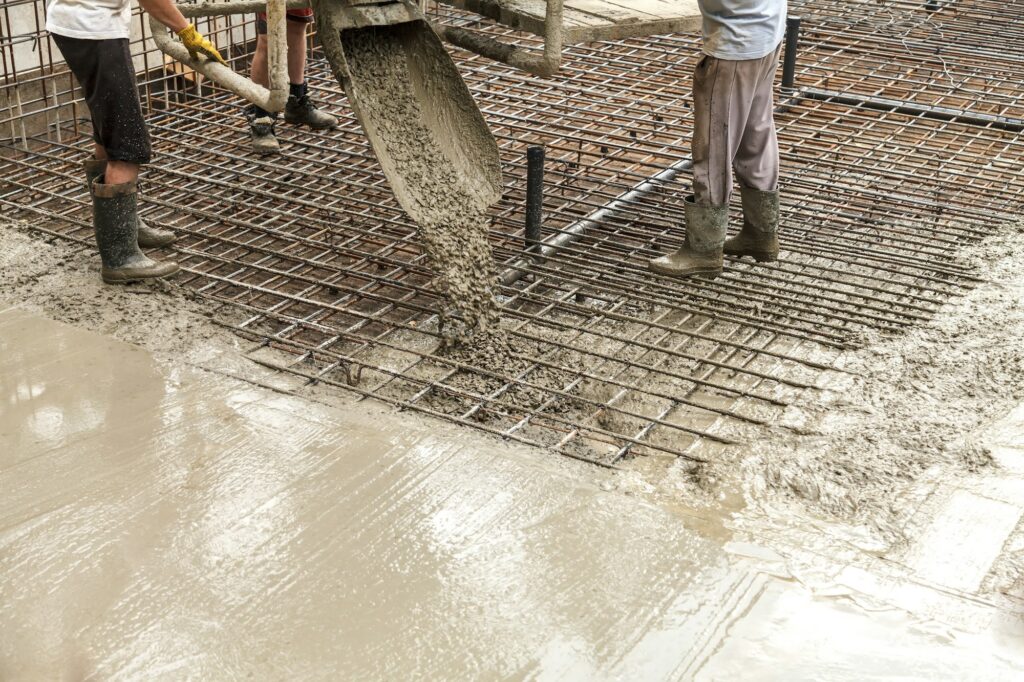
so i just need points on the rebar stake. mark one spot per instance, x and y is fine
(789, 58)
(534, 197)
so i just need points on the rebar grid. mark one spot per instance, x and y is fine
(315, 254)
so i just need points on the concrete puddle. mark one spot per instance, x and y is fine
(159, 521)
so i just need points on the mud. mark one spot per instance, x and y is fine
(451, 221)
(163, 519)
(61, 280)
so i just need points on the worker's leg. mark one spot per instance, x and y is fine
(300, 109)
(718, 117)
(149, 237)
(714, 137)
(261, 121)
(116, 172)
(757, 167)
(104, 70)
(296, 31)
(757, 155)
(258, 70)
(120, 172)
(295, 34)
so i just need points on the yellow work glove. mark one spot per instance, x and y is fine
(197, 45)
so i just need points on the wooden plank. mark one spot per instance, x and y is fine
(522, 15)
(590, 20)
(609, 11)
(649, 17)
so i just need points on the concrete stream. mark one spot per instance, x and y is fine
(161, 521)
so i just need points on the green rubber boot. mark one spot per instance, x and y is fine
(701, 253)
(759, 237)
(149, 237)
(115, 219)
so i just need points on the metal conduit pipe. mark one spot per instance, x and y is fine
(555, 243)
(534, 196)
(789, 53)
(940, 113)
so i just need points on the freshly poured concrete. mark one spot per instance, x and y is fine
(162, 520)
(159, 521)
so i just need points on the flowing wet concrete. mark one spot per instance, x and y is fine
(161, 521)
(158, 520)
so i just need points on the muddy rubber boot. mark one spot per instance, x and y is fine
(149, 237)
(759, 237)
(261, 128)
(115, 219)
(302, 111)
(701, 253)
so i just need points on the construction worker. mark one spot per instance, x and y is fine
(299, 109)
(92, 35)
(734, 130)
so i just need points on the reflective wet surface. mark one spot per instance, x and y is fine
(791, 634)
(159, 521)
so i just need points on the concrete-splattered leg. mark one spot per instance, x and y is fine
(756, 160)
(713, 135)
(733, 127)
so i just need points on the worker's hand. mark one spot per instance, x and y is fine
(197, 45)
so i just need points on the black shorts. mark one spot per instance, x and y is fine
(104, 70)
(303, 15)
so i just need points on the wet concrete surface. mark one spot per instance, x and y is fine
(790, 634)
(160, 521)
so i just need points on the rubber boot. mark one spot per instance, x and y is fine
(149, 237)
(261, 129)
(115, 219)
(302, 111)
(759, 237)
(701, 253)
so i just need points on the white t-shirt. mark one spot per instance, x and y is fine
(89, 19)
(742, 29)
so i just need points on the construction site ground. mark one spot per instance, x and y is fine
(172, 510)
(272, 467)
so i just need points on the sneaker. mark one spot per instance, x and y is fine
(301, 111)
(263, 139)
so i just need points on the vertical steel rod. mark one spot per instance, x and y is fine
(534, 196)
(789, 59)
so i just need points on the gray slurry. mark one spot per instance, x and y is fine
(163, 522)
(918, 401)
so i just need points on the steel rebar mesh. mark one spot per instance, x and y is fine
(314, 254)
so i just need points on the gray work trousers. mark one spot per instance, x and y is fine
(734, 126)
